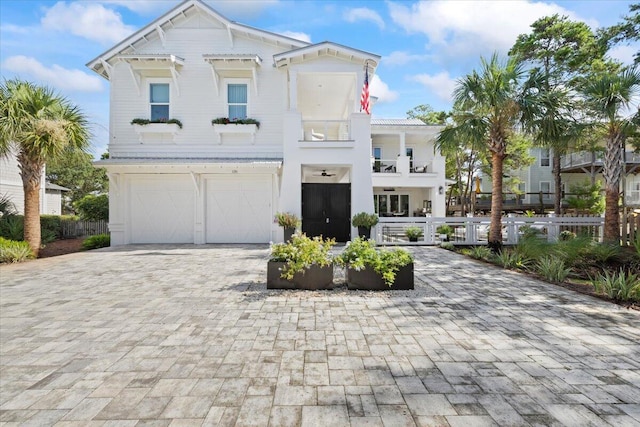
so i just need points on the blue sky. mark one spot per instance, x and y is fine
(425, 45)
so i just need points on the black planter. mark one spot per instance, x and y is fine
(413, 239)
(368, 280)
(288, 232)
(314, 278)
(364, 232)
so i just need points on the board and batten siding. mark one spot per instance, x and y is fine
(196, 102)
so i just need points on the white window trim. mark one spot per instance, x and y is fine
(545, 194)
(148, 94)
(547, 158)
(235, 81)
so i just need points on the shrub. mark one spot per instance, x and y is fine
(12, 227)
(287, 220)
(97, 241)
(228, 121)
(50, 228)
(480, 252)
(567, 235)
(361, 253)
(144, 122)
(636, 243)
(512, 259)
(93, 208)
(12, 251)
(444, 229)
(572, 251)
(533, 248)
(601, 252)
(363, 219)
(586, 197)
(620, 286)
(413, 232)
(7, 207)
(301, 252)
(448, 246)
(552, 269)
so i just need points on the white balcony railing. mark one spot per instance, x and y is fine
(325, 130)
(584, 158)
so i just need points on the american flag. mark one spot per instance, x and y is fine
(364, 98)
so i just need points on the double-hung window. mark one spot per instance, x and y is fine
(237, 100)
(545, 155)
(159, 101)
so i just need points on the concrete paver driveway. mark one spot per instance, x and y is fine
(188, 335)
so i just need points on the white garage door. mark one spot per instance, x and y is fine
(161, 209)
(239, 209)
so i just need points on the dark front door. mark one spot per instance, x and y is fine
(326, 211)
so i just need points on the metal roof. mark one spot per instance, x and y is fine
(398, 122)
(50, 186)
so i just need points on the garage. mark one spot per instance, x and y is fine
(238, 209)
(161, 209)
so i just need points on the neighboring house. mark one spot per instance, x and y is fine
(11, 186)
(311, 154)
(537, 180)
(53, 199)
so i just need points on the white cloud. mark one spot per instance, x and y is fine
(624, 54)
(363, 14)
(15, 29)
(473, 27)
(144, 7)
(298, 36)
(56, 76)
(381, 90)
(441, 84)
(398, 58)
(89, 20)
(241, 9)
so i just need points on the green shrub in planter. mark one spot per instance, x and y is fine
(300, 253)
(362, 253)
(13, 251)
(287, 220)
(413, 233)
(364, 219)
(97, 241)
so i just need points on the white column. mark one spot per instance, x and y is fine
(403, 146)
(293, 90)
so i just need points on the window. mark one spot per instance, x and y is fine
(391, 205)
(545, 189)
(237, 100)
(544, 157)
(159, 101)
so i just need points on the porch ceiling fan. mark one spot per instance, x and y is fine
(324, 173)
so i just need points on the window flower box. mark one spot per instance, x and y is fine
(224, 125)
(145, 126)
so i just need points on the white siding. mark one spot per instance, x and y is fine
(11, 184)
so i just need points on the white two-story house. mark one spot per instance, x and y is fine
(308, 149)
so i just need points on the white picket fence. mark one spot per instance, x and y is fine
(475, 230)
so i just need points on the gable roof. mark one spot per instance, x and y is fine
(127, 45)
(327, 48)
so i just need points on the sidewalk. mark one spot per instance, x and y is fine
(156, 335)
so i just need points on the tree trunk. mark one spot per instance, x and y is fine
(32, 217)
(612, 215)
(612, 172)
(495, 232)
(557, 207)
(31, 173)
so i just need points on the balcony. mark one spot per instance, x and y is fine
(325, 130)
(403, 171)
(581, 161)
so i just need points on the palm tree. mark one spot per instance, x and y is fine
(609, 96)
(37, 125)
(493, 103)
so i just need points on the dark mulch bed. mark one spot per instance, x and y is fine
(61, 247)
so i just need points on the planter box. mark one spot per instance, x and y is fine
(164, 128)
(230, 128)
(314, 278)
(369, 280)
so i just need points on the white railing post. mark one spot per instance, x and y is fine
(512, 232)
(429, 230)
(553, 229)
(470, 230)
